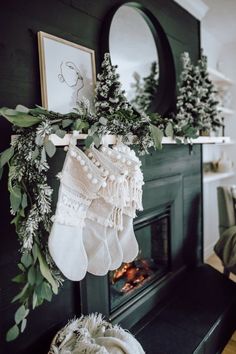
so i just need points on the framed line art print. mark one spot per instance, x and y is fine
(67, 73)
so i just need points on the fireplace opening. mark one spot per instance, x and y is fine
(151, 264)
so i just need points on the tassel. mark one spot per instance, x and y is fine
(135, 192)
(117, 218)
(116, 193)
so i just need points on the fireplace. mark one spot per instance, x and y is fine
(151, 264)
(128, 293)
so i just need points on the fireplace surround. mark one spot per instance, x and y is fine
(163, 211)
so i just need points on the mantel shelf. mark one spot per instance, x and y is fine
(211, 176)
(112, 139)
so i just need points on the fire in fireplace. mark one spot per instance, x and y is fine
(151, 263)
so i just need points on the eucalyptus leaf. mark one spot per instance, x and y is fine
(20, 278)
(16, 220)
(39, 277)
(22, 109)
(79, 125)
(23, 325)
(21, 267)
(35, 252)
(24, 202)
(1, 172)
(46, 272)
(55, 127)
(21, 294)
(157, 136)
(97, 140)
(38, 110)
(93, 129)
(88, 141)
(34, 300)
(21, 213)
(20, 314)
(18, 118)
(9, 111)
(50, 148)
(12, 333)
(46, 292)
(178, 141)
(66, 123)
(6, 156)
(169, 130)
(103, 121)
(61, 133)
(26, 260)
(31, 275)
(15, 198)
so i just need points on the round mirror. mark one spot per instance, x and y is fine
(139, 47)
(133, 48)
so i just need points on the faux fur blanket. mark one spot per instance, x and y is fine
(93, 335)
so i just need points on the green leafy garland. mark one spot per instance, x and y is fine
(30, 198)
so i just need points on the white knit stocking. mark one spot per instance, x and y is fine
(79, 184)
(100, 238)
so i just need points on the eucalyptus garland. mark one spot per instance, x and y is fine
(30, 199)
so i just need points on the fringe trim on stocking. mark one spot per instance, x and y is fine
(116, 218)
(116, 192)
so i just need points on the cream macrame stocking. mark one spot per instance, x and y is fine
(112, 202)
(79, 183)
(124, 158)
(116, 191)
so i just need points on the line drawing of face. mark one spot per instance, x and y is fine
(70, 75)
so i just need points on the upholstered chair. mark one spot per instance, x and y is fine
(225, 248)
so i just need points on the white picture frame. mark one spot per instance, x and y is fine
(67, 73)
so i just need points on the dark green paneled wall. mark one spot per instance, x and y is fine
(79, 21)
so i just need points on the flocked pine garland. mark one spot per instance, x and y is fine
(27, 159)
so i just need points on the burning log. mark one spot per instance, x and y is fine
(133, 274)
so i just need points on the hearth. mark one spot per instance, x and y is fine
(128, 293)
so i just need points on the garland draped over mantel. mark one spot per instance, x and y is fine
(27, 160)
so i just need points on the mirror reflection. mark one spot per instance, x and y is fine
(133, 48)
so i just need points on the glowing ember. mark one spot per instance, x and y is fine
(133, 274)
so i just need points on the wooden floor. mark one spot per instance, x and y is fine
(215, 262)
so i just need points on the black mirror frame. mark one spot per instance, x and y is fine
(165, 98)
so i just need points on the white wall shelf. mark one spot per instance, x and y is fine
(202, 140)
(225, 110)
(219, 78)
(211, 176)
